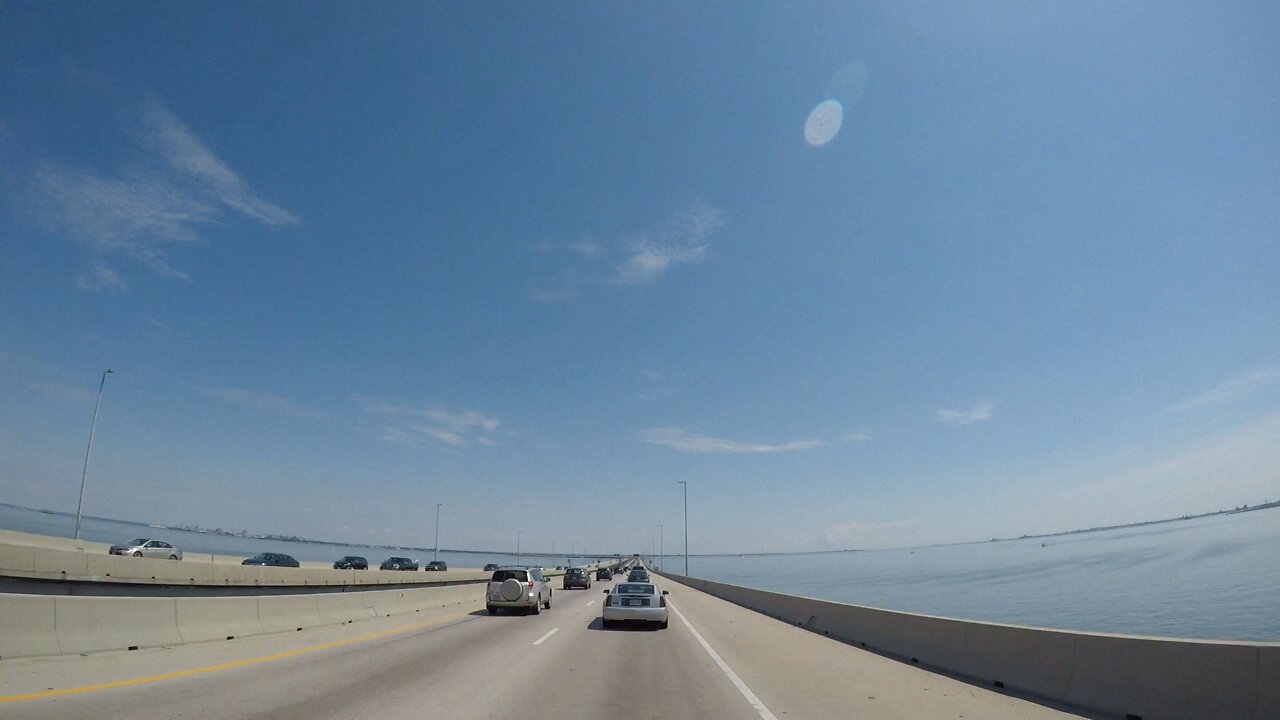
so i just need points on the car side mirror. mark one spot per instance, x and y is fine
(664, 592)
(606, 592)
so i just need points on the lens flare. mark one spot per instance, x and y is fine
(824, 123)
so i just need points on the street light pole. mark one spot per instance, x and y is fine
(518, 534)
(92, 428)
(437, 543)
(662, 553)
(686, 526)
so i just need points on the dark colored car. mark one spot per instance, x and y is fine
(576, 577)
(351, 562)
(271, 560)
(435, 566)
(490, 567)
(399, 563)
(638, 576)
(604, 574)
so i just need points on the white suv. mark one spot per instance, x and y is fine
(518, 587)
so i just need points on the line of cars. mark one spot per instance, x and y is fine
(151, 548)
(527, 590)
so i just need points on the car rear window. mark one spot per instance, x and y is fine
(504, 575)
(628, 589)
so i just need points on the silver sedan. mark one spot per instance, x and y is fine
(142, 547)
(640, 602)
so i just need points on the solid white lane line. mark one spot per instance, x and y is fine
(728, 671)
(543, 639)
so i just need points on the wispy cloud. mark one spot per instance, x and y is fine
(1236, 388)
(456, 428)
(189, 157)
(587, 248)
(684, 240)
(679, 439)
(653, 386)
(162, 199)
(263, 401)
(857, 436)
(979, 413)
(99, 277)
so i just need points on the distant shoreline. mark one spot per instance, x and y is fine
(293, 538)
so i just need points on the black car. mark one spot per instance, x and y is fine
(490, 567)
(351, 562)
(604, 574)
(576, 577)
(638, 576)
(435, 566)
(399, 563)
(271, 560)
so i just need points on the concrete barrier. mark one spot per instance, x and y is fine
(90, 624)
(285, 613)
(1122, 675)
(28, 626)
(200, 619)
(32, 625)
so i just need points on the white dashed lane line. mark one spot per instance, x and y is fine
(590, 603)
(543, 639)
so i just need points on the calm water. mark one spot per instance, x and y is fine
(1213, 578)
(113, 531)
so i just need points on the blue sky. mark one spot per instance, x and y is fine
(539, 264)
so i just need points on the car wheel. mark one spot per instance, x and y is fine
(663, 626)
(173, 557)
(548, 601)
(536, 609)
(137, 553)
(492, 610)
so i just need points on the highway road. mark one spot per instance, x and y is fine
(716, 661)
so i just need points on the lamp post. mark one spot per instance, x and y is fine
(437, 542)
(686, 525)
(92, 428)
(662, 553)
(518, 534)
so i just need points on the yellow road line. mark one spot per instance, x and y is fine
(227, 665)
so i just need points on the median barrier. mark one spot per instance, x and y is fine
(283, 613)
(28, 626)
(1120, 675)
(18, 558)
(92, 624)
(337, 608)
(58, 562)
(200, 619)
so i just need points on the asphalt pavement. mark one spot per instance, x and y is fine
(715, 661)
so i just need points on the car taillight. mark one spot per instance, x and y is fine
(608, 600)
(530, 584)
(662, 601)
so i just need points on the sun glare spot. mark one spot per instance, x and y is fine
(824, 123)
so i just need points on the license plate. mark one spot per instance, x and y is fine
(635, 603)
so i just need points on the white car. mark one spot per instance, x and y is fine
(640, 602)
(142, 547)
(519, 589)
